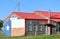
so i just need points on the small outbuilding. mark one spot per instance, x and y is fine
(36, 23)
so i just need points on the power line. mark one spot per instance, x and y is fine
(17, 6)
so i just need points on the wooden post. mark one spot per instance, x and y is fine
(46, 30)
(36, 30)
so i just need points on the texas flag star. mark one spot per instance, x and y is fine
(7, 27)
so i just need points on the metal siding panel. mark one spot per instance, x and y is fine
(7, 32)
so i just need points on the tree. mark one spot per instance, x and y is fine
(1, 24)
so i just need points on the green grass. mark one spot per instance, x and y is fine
(30, 37)
(33, 37)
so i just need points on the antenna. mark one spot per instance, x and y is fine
(18, 5)
(49, 14)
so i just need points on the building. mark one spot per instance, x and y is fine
(36, 23)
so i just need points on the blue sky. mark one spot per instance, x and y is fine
(9, 6)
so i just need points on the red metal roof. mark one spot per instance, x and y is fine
(57, 20)
(28, 15)
(52, 14)
(55, 16)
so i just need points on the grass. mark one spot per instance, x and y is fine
(30, 37)
(33, 37)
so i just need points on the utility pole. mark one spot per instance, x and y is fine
(18, 5)
(49, 15)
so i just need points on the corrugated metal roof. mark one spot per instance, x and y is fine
(55, 16)
(28, 15)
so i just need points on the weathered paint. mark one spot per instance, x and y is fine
(48, 30)
(18, 31)
(18, 27)
(5, 24)
(20, 23)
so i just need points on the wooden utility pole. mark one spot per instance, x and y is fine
(49, 15)
(18, 5)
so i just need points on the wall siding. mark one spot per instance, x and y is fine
(34, 27)
(18, 27)
(18, 23)
(5, 31)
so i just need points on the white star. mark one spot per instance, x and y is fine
(7, 27)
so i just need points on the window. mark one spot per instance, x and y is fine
(29, 25)
(18, 18)
(30, 28)
(30, 22)
(40, 28)
(58, 27)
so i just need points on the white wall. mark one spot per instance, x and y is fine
(18, 23)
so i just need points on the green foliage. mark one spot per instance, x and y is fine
(1, 23)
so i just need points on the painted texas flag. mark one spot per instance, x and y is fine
(7, 28)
